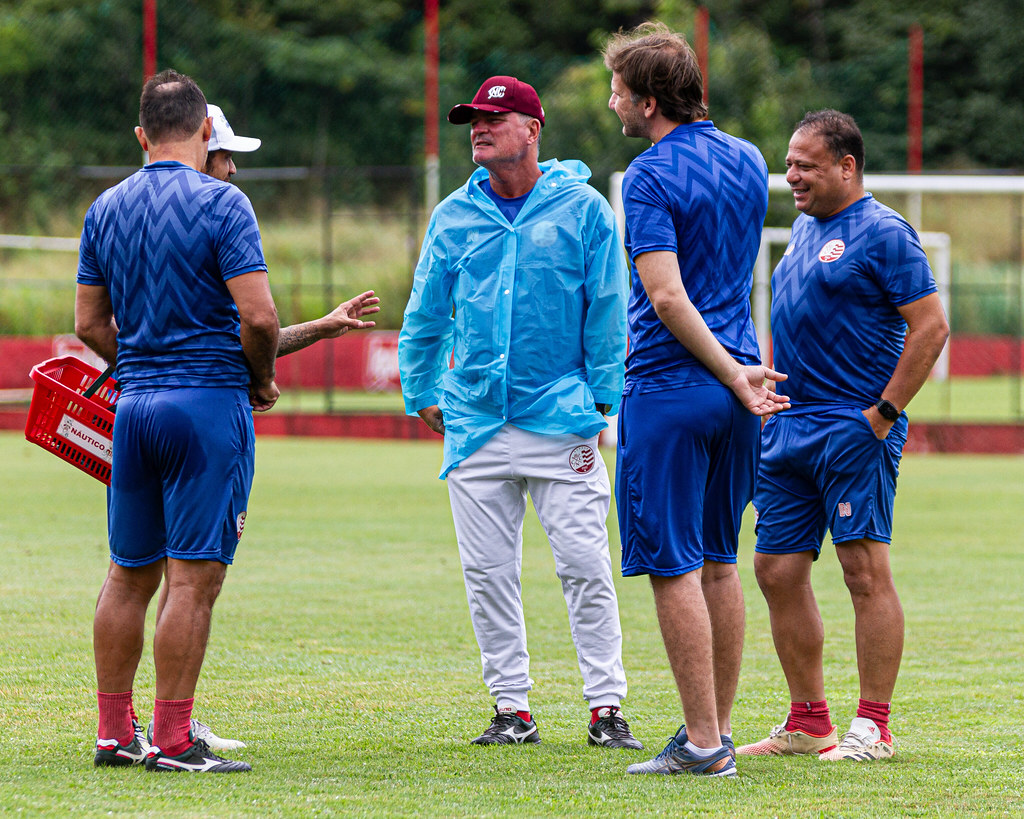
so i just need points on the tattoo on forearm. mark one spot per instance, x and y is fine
(295, 337)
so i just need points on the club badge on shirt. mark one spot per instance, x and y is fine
(831, 251)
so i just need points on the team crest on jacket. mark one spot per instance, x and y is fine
(831, 251)
(581, 459)
(240, 524)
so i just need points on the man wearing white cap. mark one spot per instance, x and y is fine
(346, 316)
(224, 142)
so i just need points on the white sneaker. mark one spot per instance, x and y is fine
(862, 743)
(202, 731)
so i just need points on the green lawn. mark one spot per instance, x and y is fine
(342, 654)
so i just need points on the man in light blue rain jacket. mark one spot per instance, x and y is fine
(521, 286)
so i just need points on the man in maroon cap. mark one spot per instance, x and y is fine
(522, 280)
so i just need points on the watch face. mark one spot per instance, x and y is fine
(888, 410)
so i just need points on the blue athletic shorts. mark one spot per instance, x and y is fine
(825, 470)
(685, 473)
(181, 475)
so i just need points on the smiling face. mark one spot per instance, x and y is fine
(502, 138)
(821, 185)
(630, 114)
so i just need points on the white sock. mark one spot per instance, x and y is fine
(700, 753)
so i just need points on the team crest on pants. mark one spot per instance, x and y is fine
(240, 524)
(581, 459)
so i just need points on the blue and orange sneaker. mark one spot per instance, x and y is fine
(675, 759)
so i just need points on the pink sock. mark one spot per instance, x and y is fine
(810, 717)
(878, 713)
(116, 717)
(171, 723)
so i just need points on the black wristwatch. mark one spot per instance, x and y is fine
(887, 410)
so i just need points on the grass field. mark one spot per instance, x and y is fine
(342, 654)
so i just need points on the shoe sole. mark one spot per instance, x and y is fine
(221, 768)
(114, 761)
(867, 755)
(527, 741)
(612, 744)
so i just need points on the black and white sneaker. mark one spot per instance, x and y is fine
(203, 731)
(508, 729)
(197, 758)
(611, 730)
(110, 752)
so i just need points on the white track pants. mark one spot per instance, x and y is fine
(568, 482)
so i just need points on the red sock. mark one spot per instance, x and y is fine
(595, 713)
(524, 716)
(878, 713)
(116, 717)
(810, 717)
(171, 723)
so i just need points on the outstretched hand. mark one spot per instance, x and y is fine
(348, 315)
(750, 387)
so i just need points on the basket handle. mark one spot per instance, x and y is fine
(95, 385)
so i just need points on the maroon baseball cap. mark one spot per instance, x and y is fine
(499, 95)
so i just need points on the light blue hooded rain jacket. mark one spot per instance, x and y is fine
(534, 313)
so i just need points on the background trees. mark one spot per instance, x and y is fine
(339, 82)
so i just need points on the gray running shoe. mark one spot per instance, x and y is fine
(675, 759)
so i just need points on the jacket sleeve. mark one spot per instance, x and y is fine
(604, 324)
(425, 341)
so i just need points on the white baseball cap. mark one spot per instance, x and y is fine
(223, 138)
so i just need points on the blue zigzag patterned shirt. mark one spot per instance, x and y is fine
(701, 194)
(163, 242)
(836, 329)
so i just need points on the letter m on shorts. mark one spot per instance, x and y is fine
(845, 510)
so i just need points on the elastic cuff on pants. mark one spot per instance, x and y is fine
(605, 702)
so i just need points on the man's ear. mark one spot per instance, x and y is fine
(535, 127)
(207, 129)
(140, 135)
(849, 166)
(650, 107)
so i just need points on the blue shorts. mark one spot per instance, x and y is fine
(181, 475)
(825, 470)
(685, 473)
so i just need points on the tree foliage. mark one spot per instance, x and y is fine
(340, 82)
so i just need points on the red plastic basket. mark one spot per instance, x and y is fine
(61, 419)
